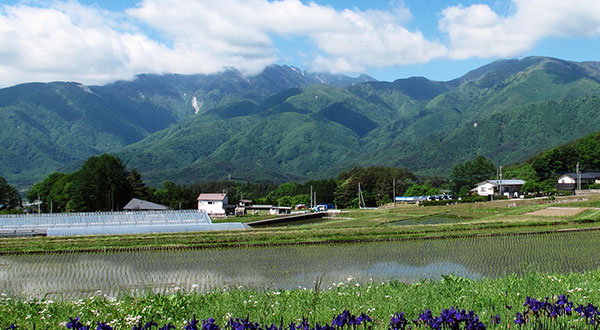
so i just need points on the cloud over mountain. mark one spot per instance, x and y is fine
(71, 41)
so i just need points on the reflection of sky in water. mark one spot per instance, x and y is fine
(290, 267)
(383, 271)
(404, 273)
(61, 275)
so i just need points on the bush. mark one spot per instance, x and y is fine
(468, 199)
(442, 202)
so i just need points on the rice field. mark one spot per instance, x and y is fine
(80, 275)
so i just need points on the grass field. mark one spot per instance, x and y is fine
(499, 217)
(320, 303)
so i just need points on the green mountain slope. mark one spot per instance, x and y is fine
(285, 124)
(507, 111)
(537, 103)
(45, 127)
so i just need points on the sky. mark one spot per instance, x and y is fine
(96, 42)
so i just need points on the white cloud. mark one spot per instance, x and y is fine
(66, 42)
(70, 41)
(238, 32)
(478, 31)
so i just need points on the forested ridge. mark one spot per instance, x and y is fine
(285, 125)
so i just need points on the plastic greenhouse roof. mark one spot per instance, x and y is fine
(112, 223)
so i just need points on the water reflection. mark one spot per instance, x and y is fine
(81, 275)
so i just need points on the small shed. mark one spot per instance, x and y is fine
(142, 205)
(275, 210)
(259, 209)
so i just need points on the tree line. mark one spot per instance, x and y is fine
(103, 183)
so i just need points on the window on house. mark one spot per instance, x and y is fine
(210, 203)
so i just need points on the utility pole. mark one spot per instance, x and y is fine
(497, 181)
(311, 197)
(394, 191)
(501, 194)
(578, 177)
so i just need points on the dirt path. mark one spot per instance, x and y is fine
(558, 211)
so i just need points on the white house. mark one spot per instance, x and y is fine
(213, 204)
(510, 188)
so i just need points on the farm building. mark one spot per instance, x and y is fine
(280, 210)
(568, 181)
(142, 205)
(510, 188)
(245, 206)
(110, 223)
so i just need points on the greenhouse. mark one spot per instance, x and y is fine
(109, 223)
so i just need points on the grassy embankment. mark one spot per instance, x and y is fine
(499, 217)
(319, 304)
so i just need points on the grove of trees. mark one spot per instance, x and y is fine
(466, 175)
(103, 183)
(9, 196)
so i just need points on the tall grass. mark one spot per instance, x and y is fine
(320, 303)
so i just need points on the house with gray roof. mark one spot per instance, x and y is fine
(568, 181)
(142, 205)
(510, 188)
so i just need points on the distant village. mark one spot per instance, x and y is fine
(217, 204)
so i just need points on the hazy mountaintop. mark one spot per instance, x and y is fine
(48, 125)
(285, 123)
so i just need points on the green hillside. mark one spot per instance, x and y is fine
(285, 124)
(44, 126)
(533, 107)
(507, 111)
(54, 126)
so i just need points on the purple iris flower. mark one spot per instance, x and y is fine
(103, 326)
(209, 324)
(192, 324)
(74, 323)
(519, 319)
(496, 319)
(398, 322)
(168, 326)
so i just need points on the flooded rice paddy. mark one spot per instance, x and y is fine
(80, 275)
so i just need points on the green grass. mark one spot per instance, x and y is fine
(499, 217)
(319, 304)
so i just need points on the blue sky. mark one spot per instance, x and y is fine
(95, 42)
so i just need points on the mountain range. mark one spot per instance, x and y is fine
(286, 124)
